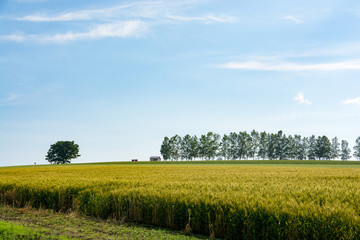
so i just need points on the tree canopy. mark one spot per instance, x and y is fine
(62, 152)
(256, 145)
(357, 149)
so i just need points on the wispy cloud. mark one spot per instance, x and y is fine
(300, 98)
(112, 12)
(352, 101)
(206, 19)
(14, 37)
(125, 20)
(11, 97)
(350, 50)
(290, 66)
(10, 100)
(292, 18)
(120, 29)
(152, 10)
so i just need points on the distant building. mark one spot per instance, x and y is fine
(155, 158)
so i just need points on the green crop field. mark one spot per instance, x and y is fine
(257, 200)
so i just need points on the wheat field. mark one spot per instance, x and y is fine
(227, 201)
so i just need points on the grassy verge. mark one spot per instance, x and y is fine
(28, 223)
(13, 231)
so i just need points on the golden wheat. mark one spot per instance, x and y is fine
(223, 201)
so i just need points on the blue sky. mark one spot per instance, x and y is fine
(118, 76)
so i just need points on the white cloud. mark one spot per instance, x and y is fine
(126, 20)
(11, 97)
(112, 12)
(294, 19)
(119, 29)
(352, 101)
(207, 18)
(10, 100)
(152, 10)
(289, 66)
(14, 37)
(58, 18)
(349, 50)
(300, 98)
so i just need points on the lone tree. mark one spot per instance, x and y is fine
(62, 152)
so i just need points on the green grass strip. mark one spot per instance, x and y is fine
(13, 231)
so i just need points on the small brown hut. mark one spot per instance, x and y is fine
(155, 158)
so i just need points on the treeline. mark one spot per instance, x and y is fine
(256, 145)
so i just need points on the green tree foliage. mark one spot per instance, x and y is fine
(281, 145)
(290, 147)
(298, 148)
(304, 148)
(271, 146)
(187, 147)
(165, 149)
(214, 145)
(203, 146)
(335, 148)
(311, 144)
(242, 148)
(345, 150)
(62, 152)
(323, 148)
(263, 145)
(209, 145)
(184, 147)
(357, 149)
(233, 145)
(255, 144)
(175, 148)
(225, 147)
(194, 147)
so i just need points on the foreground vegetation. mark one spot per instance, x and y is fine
(12, 231)
(221, 200)
(29, 223)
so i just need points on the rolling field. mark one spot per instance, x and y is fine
(249, 201)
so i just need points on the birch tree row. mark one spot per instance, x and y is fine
(256, 145)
